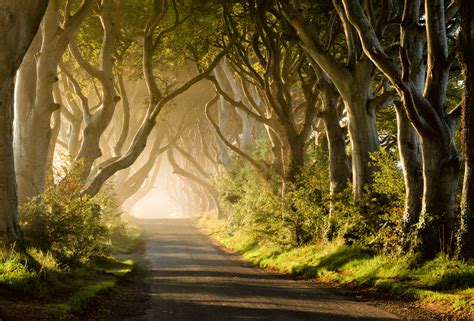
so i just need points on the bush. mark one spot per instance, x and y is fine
(254, 207)
(310, 200)
(374, 219)
(65, 223)
(301, 216)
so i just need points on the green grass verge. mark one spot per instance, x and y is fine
(443, 281)
(55, 292)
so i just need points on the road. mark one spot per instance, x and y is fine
(191, 279)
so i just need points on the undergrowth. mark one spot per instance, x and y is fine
(442, 281)
(72, 239)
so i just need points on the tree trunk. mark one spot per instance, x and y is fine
(19, 21)
(339, 170)
(435, 232)
(363, 137)
(293, 160)
(9, 229)
(411, 161)
(427, 113)
(412, 40)
(94, 128)
(465, 246)
(36, 134)
(223, 122)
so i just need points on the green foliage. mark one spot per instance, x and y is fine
(69, 236)
(301, 216)
(251, 206)
(374, 218)
(298, 217)
(73, 227)
(310, 200)
(66, 223)
(388, 179)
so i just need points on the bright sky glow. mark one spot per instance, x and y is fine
(156, 204)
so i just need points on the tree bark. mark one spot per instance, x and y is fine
(97, 124)
(354, 87)
(339, 170)
(412, 40)
(465, 238)
(19, 21)
(411, 161)
(427, 113)
(35, 134)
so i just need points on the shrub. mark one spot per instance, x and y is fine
(374, 219)
(64, 222)
(301, 216)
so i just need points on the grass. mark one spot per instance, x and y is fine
(54, 291)
(445, 282)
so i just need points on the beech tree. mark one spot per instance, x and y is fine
(353, 77)
(428, 113)
(286, 88)
(34, 99)
(96, 123)
(466, 232)
(156, 29)
(19, 23)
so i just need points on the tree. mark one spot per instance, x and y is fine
(428, 114)
(96, 123)
(156, 29)
(19, 23)
(278, 70)
(353, 77)
(466, 232)
(35, 102)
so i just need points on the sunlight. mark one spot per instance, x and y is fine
(156, 204)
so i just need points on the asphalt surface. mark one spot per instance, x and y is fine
(191, 279)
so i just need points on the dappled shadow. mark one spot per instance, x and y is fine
(191, 279)
(454, 280)
(344, 255)
(170, 272)
(207, 311)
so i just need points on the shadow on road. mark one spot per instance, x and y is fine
(190, 279)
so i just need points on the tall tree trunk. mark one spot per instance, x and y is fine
(339, 170)
(465, 246)
(35, 136)
(9, 229)
(427, 112)
(435, 231)
(354, 85)
(411, 161)
(362, 127)
(223, 122)
(19, 23)
(97, 124)
(412, 40)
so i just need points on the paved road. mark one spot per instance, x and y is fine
(190, 279)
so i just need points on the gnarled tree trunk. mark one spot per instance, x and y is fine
(19, 21)
(35, 122)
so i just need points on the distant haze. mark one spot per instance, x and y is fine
(156, 204)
